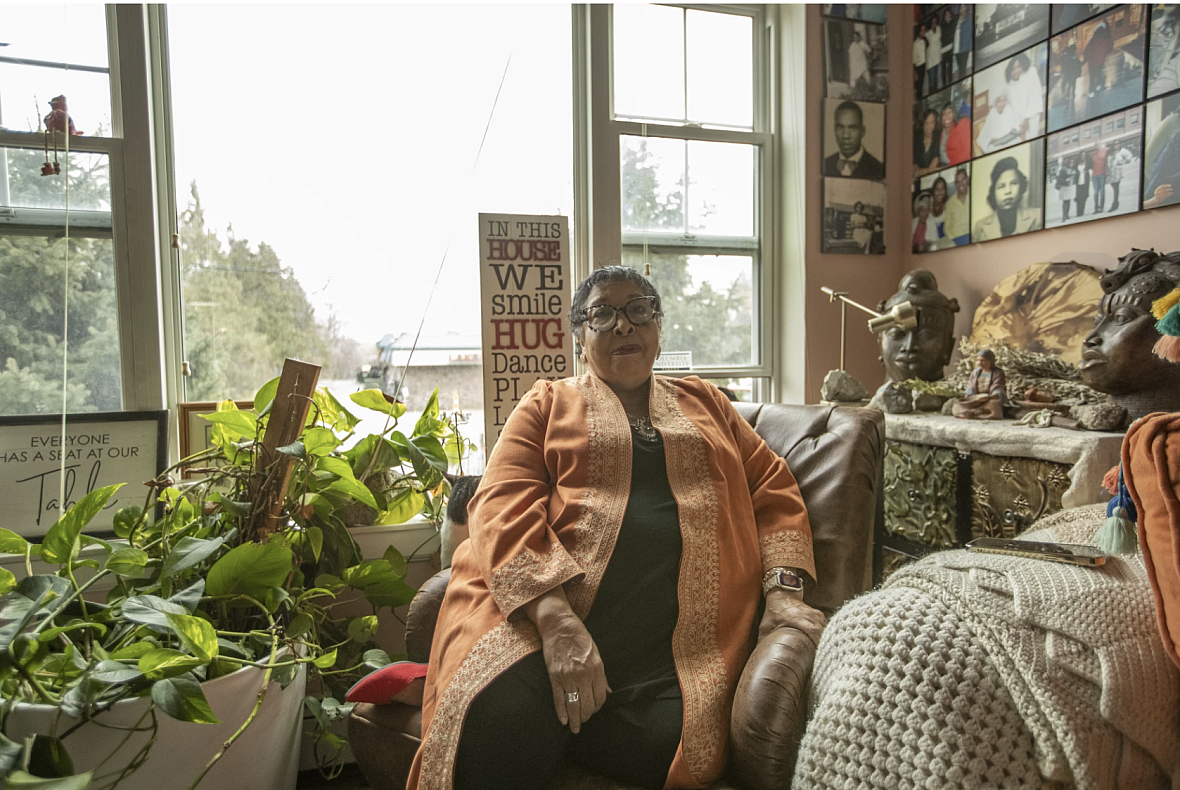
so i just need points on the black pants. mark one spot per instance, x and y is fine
(513, 739)
(919, 80)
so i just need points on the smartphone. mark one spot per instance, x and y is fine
(1073, 553)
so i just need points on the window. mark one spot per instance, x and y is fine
(686, 124)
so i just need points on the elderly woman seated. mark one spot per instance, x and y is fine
(623, 535)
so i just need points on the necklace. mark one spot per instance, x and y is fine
(644, 428)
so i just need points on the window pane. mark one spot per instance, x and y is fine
(649, 62)
(32, 319)
(720, 69)
(708, 305)
(743, 390)
(59, 34)
(720, 194)
(20, 174)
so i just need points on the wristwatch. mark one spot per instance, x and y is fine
(784, 578)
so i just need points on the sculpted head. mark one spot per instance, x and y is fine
(1117, 356)
(920, 352)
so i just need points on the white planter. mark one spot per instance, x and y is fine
(266, 756)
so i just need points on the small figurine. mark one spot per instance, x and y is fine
(58, 119)
(986, 393)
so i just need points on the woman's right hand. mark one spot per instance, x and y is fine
(571, 657)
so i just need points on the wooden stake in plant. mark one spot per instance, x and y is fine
(288, 414)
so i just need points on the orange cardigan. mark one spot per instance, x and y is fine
(548, 511)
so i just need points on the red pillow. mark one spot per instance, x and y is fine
(401, 681)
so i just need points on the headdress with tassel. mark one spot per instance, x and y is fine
(1118, 535)
(1166, 309)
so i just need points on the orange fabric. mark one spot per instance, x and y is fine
(547, 512)
(1151, 468)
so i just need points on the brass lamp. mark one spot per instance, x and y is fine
(902, 316)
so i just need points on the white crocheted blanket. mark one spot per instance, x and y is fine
(981, 670)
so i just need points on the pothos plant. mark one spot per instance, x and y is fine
(199, 585)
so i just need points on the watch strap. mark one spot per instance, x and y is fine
(784, 578)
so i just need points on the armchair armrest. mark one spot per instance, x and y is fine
(423, 616)
(770, 710)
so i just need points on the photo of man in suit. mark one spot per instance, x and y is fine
(851, 160)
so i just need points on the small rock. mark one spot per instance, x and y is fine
(928, 401)
(893, 398)
(840, 387)
(947, 408)
(1099, 416)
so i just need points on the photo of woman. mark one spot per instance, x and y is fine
(853, 216)
(941, 216)
(1101, 158)
(1010, 100)
(1163, 69)
(1097, 67)
(922, 234)
(927, 144)
(1008, 199)
(1161, 153)
(942, 129)
(956, 137)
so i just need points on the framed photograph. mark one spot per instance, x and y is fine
(1003, 29)
(854, 216)
(1163, 60)
(941, 216)
(943, 48)
(865, 12)
(854, 139)
(1007, 196)
(1065, 15)
(923, 10)
(1097, 67)
(942, 129)
(1092, 170)
(195, 433)
(41, 465)
(856, 61)
(1009, 106)
(1161, 153)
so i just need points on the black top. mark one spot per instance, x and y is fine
(636, 608)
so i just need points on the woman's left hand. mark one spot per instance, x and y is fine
(783, 608)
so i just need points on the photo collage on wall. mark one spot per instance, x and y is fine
(856, 89)
(1038, 116)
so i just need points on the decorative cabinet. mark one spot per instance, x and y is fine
(948, 481)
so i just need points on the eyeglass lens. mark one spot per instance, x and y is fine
(638, 311)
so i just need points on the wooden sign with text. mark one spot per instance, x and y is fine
(525, 288)
(37, 464)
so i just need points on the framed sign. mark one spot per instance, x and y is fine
(194, 431)
(39, 465)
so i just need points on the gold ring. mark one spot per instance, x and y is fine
(571, 696)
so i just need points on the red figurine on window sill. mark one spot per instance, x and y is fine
(58, 119)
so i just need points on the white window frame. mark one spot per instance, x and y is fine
(599, 238)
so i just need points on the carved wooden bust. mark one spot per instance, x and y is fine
(923, 351)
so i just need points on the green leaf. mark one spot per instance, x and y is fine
(128, 562)
(433, 450)
(8, 579)
(62, 540)
(391, 592)
(19, 780)
(237, 423)
(396, 561)
(300, 625)
(195, 634)
(133, 651)
(187, 552)
(355, 489)
(295, 449)
(275, 597)
(376, 400)
(327, 660)
(10, 752)
(328, 581)
(12, 543)
(429, 422)
(126, 518)
(250, 569)
(362, 629)
(337, 466)
(376, 659)
(333, 410)
(115, 672)
(403, 507)
(164, 662)
(320, 441)
(48, 757)
(181, 698)
(151, 610)
(266, 395)
(369, 572)
(49, 634)
(190, 596)
(315, 536)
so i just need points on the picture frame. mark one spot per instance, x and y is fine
(870, 157)
(39, 461)
(853, 216)
(194, 432)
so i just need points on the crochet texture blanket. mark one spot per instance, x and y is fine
(979, 670)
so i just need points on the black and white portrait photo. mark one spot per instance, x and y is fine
(856, 63)
(1097, 67)
(865, 12)
(943, 48)
(1092, 170)
(1066, 15)
(942, 210)
(854, 139)
(1161, 153)
(1003, 29)
(854, 216)
(1010, 100)
(1007, 192)
(1163, 60)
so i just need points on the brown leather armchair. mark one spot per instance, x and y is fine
(835, 453)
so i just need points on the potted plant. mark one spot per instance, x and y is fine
(234, 579)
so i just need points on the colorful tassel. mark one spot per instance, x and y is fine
(1118, 534)
(1110, 481)
(1167, 347)
(1161, 306)
(1170, 323)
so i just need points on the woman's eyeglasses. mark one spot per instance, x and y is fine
(639, 311)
